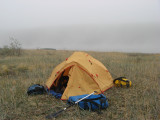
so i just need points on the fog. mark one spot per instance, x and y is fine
(106, 25)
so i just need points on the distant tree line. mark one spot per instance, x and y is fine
(48, 48)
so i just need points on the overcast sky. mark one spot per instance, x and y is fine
(104, 25)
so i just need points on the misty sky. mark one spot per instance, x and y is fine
(103, 25)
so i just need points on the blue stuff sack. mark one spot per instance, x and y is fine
(91, 103)
(36, 90)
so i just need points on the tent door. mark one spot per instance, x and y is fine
(60, 83)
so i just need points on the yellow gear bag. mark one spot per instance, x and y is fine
(122, 82)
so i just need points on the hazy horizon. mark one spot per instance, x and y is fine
(123, 26)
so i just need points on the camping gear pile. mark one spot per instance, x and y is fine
(91, 103)
(75, 78)
(54, 115)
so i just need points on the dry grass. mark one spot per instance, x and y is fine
(141, 101)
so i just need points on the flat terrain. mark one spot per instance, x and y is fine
(140, 102)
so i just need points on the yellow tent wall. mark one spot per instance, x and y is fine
(86, 75)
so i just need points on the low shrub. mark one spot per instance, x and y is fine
(12, 69)
(13, 49)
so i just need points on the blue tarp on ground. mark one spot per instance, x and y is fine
(55, 94)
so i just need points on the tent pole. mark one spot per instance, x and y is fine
(54, 115)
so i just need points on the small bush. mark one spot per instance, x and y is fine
(22, 68)
(5, 51)
(14, 49)
(12, 69)
(6, 70)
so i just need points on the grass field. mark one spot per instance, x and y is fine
(140, 102)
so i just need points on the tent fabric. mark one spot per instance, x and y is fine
(86, 74)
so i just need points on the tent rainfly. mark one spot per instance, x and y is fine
(79, 74)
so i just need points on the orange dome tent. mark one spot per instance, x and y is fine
(79, 74)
